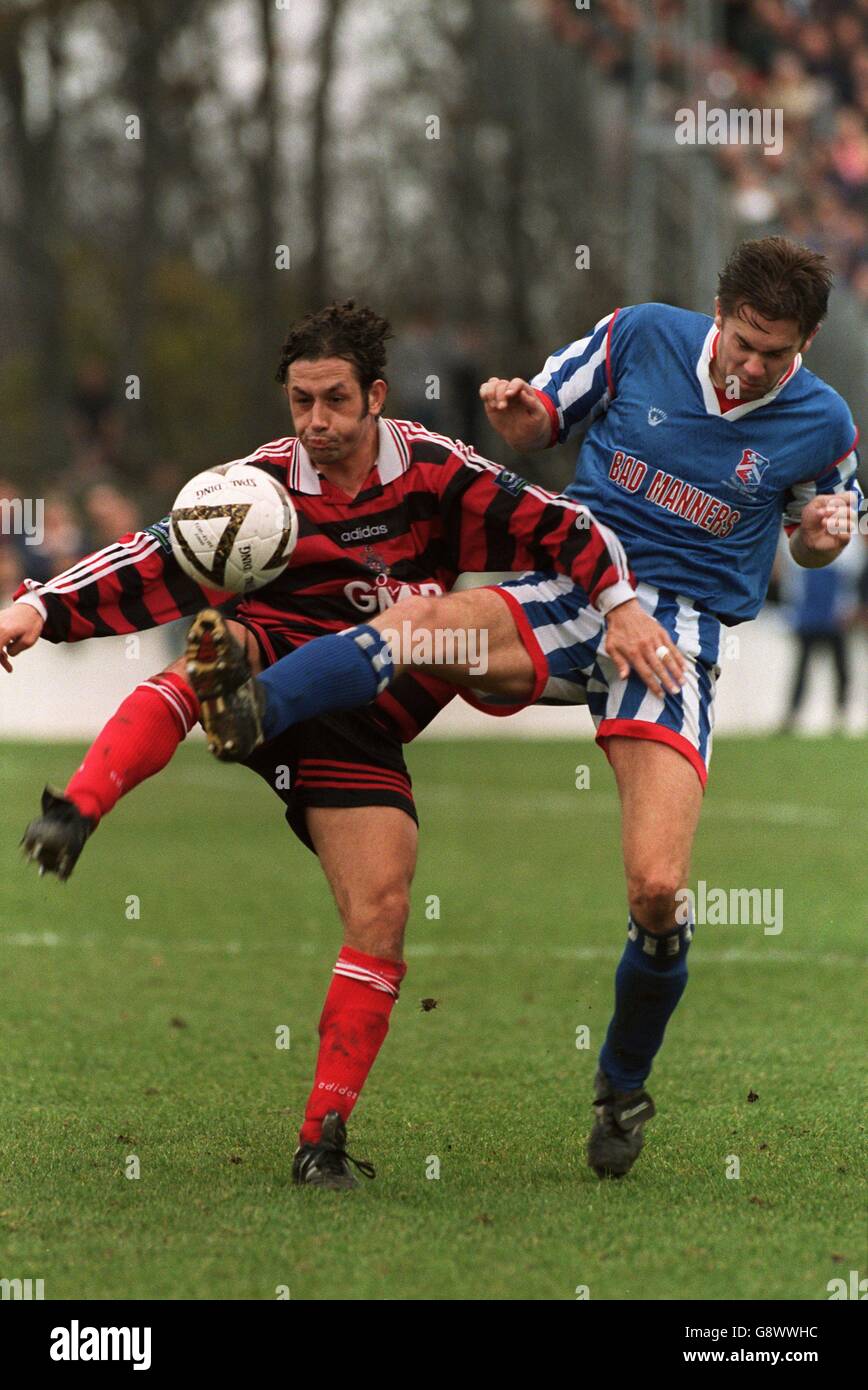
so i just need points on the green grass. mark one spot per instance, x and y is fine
(156, 1037)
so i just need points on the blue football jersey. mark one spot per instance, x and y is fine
(696, 494)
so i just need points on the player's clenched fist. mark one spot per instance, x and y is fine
(828, 521)
(515, 410)
(636, 640)
(20, 627)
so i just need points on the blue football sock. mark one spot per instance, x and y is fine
(340, 671)
(650, 980)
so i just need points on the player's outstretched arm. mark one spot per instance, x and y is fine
(828, 521)
(129, 586)
(517, 413)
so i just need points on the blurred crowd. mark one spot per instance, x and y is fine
(807, 58)
(92, 504)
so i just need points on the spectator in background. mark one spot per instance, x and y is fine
(109, 513)
(94, 426)
(12, 547)
(63, 541)
(862, 612)
(823, 605)
(808, 58)
(860, 282)
(11, 571)
(434, 376)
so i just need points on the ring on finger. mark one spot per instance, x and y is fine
(662, 653)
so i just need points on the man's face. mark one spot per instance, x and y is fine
(754, 351)
(329, 408)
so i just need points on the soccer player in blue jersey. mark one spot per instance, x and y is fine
(701, 437)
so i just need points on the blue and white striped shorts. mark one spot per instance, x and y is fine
(565, 638)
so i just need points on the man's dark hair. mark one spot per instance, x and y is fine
(340, 330)
(779, 279)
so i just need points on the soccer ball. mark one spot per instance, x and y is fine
(233, 528)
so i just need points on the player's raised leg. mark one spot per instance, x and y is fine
(474, 639)
(351, 668)
(368, 855)
(137, 742)
(661, 798)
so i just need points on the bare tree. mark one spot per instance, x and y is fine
(33, 230)
(319, 283)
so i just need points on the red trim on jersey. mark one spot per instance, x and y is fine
(724, 401)
(654, 733)
(846, 454)
(610, 380)
(553, 415)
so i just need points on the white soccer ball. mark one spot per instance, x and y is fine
(233, 527)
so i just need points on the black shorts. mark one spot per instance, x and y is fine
(353, 758)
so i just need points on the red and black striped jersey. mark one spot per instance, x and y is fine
(430, 509)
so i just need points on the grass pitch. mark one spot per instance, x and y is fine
(153, 1035)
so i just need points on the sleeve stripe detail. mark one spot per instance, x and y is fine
(580, 383)
(615, 547)
(277, 446)
(117, 550)
(616, 550)
(63, 584)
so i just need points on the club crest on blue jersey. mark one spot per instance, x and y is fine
(656, 416)
(749, 471)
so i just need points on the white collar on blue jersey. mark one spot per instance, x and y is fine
(712, 404)
(393, 459)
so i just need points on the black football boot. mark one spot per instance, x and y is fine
(327, 1163)
(55, 839)
(616, 1139)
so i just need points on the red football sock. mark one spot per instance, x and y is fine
(354, 1022)
(138, 740)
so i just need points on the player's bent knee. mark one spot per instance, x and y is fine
(377, 919)
(652, 899)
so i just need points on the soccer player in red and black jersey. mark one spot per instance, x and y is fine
(386, 510)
